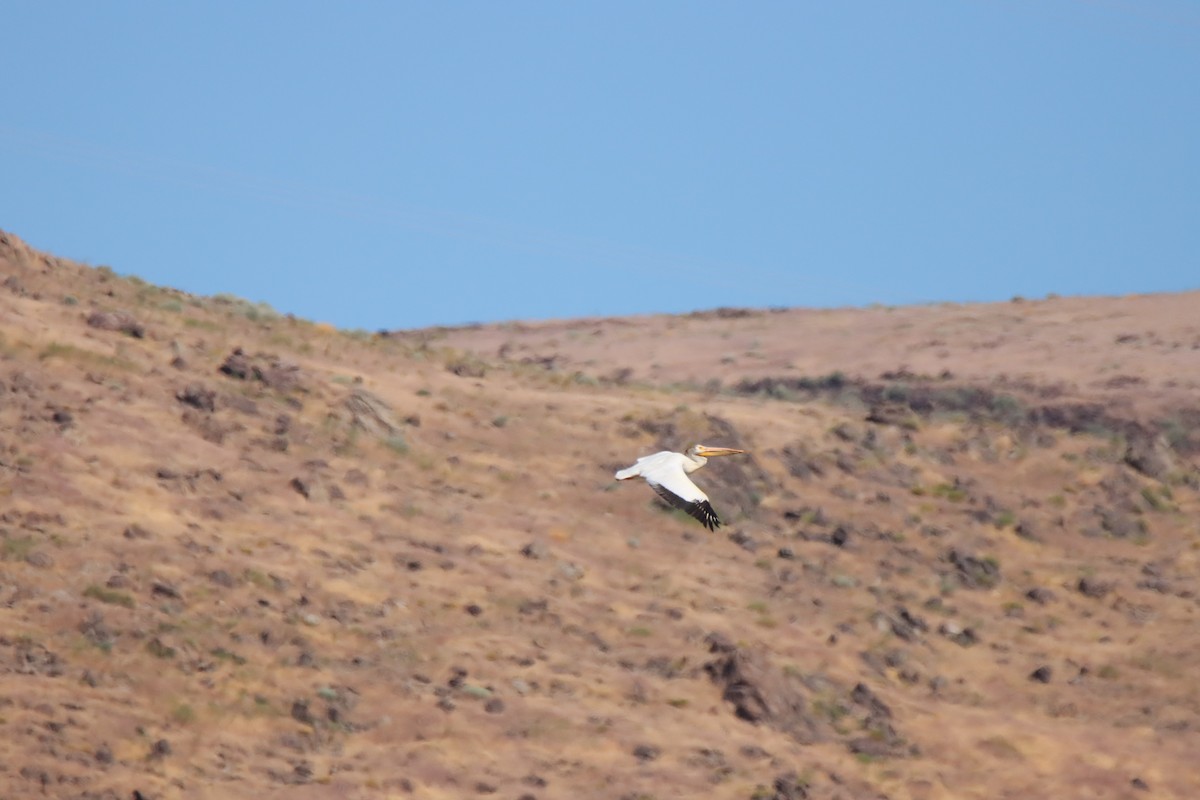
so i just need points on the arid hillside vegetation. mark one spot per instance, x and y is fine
(248, 555)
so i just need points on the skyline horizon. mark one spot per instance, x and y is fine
(405, 165)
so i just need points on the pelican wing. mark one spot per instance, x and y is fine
(698, 506)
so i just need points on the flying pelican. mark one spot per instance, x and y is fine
(667, 473)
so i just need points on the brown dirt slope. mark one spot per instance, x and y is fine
(1117, 350)
(245, 555)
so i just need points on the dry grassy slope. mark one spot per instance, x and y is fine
(1138, 349)
(264, 599)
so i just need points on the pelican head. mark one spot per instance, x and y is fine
(709, 452)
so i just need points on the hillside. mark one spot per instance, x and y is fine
(246, 555)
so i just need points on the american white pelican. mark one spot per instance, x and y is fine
(667, 473)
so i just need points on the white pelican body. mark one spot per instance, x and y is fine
(667, 473)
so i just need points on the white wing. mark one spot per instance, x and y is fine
(665, 473)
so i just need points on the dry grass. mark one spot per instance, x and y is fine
(469, 606)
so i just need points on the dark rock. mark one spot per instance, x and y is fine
(897, 414)
(197, 396)
(474, 610)
(302, 713)
(1156, 585)
(846, 432)
(371, 414)
(958, 634)
(789, 786)
(30, 658)
(192, 481)
(1040, 595)
(709, 758)
(494, 706)
(535, 550)
(1090, 587)
(845, 463)
(974, 573)
(907, 625)
(1149, 453)
(116, 321)
(1042, 674)
(466, 367)
(301, 773)
(876, 708)
(533, 606)
(840, 535)
(267, 369)
(872, 747)
(743, 541)
(754, 752)
(209, 428)
(31, 773)
(164, 589)
(1120, 525)
(882, 740)
(222, 578)
(236, 365)
(14, 285)
(135, 531)
(645, 752)
(758, 692)
(316, 488)
(95, 631)
(160, 749)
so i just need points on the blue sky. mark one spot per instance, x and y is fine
(396, 165)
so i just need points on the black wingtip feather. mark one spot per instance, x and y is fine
(702, 511)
